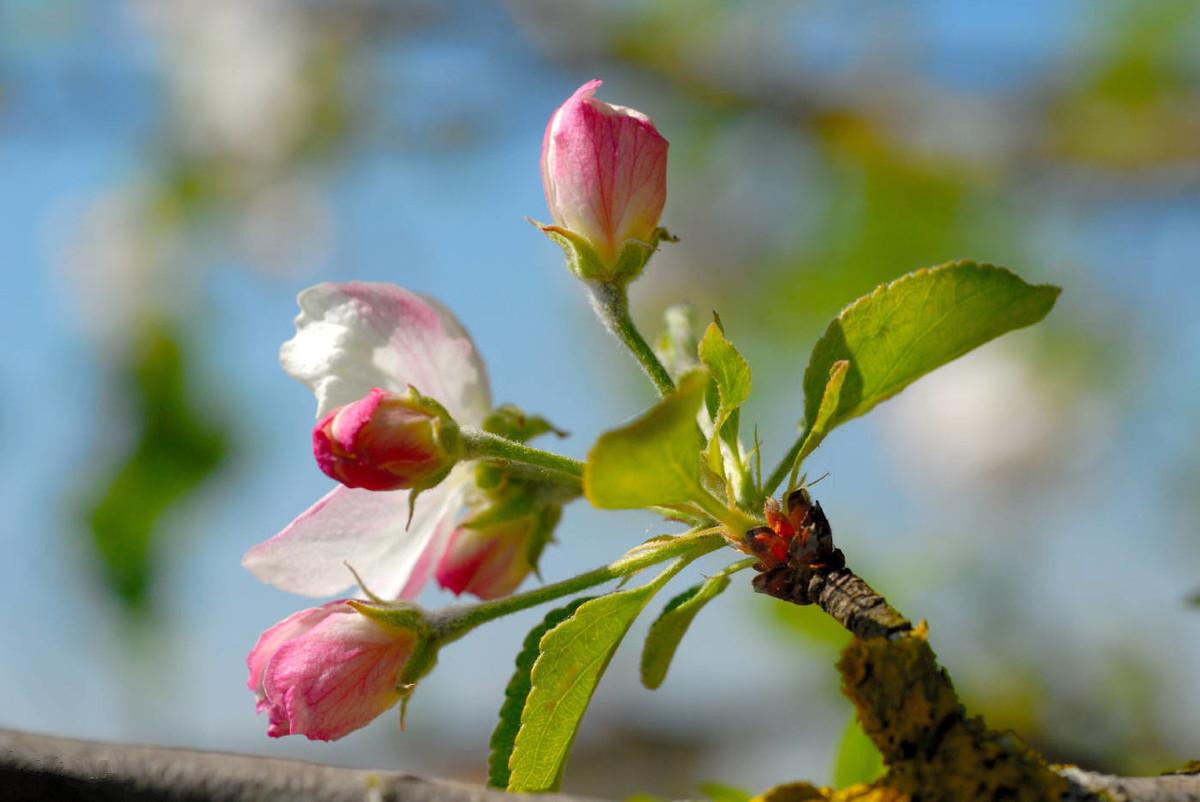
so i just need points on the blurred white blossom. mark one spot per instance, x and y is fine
(111, 262)
(234, 70)
(990, 419)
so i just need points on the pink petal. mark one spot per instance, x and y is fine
(487, 564)
(356, 336)
(367, 530)
(269, 642)
(336, 677)
(604, 169)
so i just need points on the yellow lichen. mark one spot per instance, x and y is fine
(869, 793)
(908, 707)
(804, 792)
(791, 792)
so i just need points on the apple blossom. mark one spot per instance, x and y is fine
(604, 169)
(326, 671)
(358, 346)
(352, 339)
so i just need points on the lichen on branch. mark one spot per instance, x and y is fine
(932, 748)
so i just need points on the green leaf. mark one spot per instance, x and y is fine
(174, 446)
(830, 399)
(505, 734)
(857, 759)
(918, 322)
(573, 656)
(655, 460)
(810, 624)
(729, 370)
(731, 380)
(510, 421)
(668, 629)
(720, 792)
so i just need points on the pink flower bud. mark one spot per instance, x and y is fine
(328, 670)
(604, 169)
(385, 441)
(490, 561)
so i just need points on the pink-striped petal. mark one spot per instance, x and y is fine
(353, 337)
(604, 169)
(269, 642)
(327, 671)
(365, 529)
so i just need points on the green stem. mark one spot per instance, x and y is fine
(735, 521)
(612, 307)
(456, 622)
(733, 568)
(485, 445)
(682, 513)
(784, 467)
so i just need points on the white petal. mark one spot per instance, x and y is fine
(355, 336)
(365, 529)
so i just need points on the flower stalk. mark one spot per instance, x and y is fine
(556, 468)
(612, 307)
(451, 624)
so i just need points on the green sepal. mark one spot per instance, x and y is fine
(511, 422)
(543, 533)
(420, 662)
(446, 436)
(397, 615)
(407, 617)
(587, 264)
(489, 476)
(516, 501)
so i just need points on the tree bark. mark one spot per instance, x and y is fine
(908, 707)
(41, 767)
(34, 768)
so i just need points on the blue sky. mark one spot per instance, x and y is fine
(448, 221)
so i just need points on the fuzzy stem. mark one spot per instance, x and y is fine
(612, 307)
(556, 467)
(457, 621)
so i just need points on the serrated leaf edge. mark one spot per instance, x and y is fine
(513, 705)
(890, 285)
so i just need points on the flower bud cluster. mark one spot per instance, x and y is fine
(792, 547)
(328, 670)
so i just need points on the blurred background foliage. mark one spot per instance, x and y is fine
(175, 171)
(173, 450)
